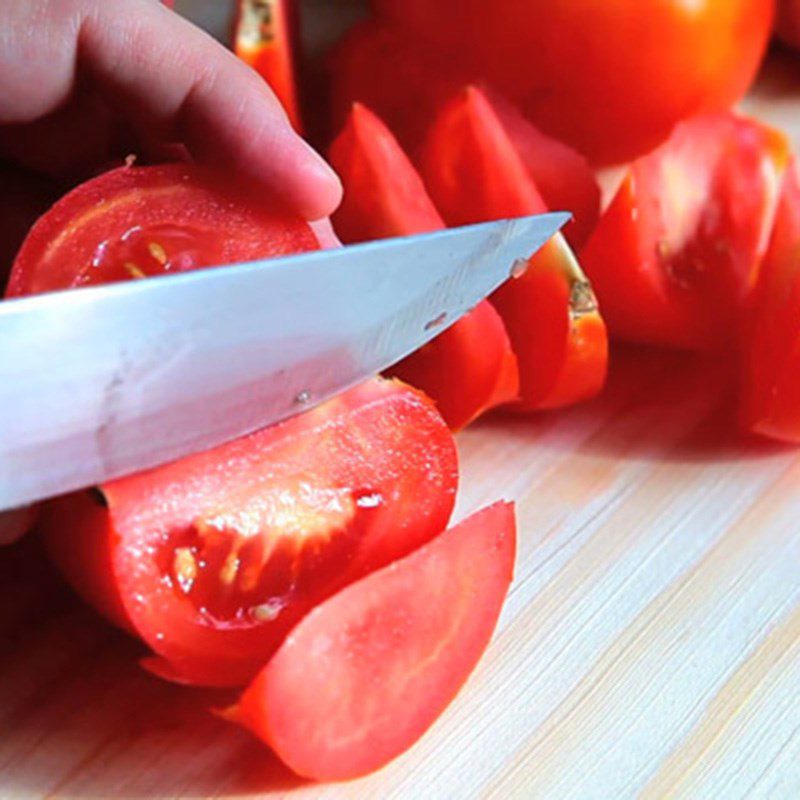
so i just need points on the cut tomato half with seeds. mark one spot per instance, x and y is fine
(366, 673)
(212, 559)
(475, 174)
(135, 222)
(676, 256)
(469, 368)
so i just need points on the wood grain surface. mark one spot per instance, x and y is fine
(650, 646)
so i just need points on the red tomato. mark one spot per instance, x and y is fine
(474, 174)
(788, 22)
(771, 375)
(263, 37)
(373, 57)
(138, 221)
(212, 559)
(470, 367)
(610, 78)
(676, 255)
(366, 673)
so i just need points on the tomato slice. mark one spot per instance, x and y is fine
(770, 403)
(133, 222)
(264, 38)
(366, 673)
(213, 558)
(675, 257)
(469, 368)
(474, 173)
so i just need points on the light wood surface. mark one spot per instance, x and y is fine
(650, 646)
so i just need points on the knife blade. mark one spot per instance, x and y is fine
(103, 381)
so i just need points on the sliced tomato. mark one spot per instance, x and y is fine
(474, 174)
(212, 559)
(770, 402)
(264, 38)
(366, 673)
(134, 222)
(675, 257)
(469, 368)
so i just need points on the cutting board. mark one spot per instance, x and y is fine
(650, 645)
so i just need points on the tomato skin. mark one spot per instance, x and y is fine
(675, 257)
(586, 71)
(310, 504)
(469, 368)
(770, 399)
(475, 174)
(183, 199)
(389, 654)
(263, 37)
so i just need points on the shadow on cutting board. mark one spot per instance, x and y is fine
(80, 718)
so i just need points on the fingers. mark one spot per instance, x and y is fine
(170, 80)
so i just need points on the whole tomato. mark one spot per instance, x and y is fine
(609, 77)
(788, 22)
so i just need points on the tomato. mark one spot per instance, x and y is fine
(133, 222)
(788, 22)
(16, 523)
(676, 255)
(366, 673)
(609, 78)
(263, 38)
(474, 174)
(373, 57)
(470, 367)
(770, 403)
(212, 559)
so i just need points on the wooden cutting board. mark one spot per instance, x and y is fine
(650, 645)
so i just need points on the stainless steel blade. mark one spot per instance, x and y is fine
(104, 381)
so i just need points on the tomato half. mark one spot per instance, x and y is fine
(366, 673)
(212, 559)
(469, 368)
(475, 174)
(676, 255)
(134, 222)
(263, 37)
(770, 402)
(609, 78)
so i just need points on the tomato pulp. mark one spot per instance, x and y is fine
(675, 257)
(362, 677)
(134, 222)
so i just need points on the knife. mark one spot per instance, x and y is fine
(99, 382)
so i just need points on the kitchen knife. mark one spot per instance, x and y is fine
(103, 381)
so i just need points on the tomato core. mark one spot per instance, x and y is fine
(154, 250)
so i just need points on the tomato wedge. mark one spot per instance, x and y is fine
(675, 257)
(770, 403)
(212, 559)
(134, 222)
(366, 673)
(263, 37)
(474, 174)
(469, 368)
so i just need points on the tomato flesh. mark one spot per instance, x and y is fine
(675, 257)
(135, 222)
(213, 558)
(770, 403)
(366, 673)
(469, 368)
(475, 174)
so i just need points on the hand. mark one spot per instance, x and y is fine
(83, 82)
